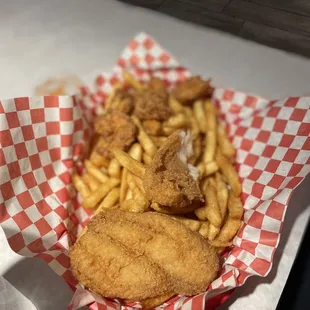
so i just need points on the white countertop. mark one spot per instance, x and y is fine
(42, 39)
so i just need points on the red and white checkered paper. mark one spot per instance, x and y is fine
(43, 137)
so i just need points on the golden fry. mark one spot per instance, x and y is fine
(229, 230)
(147, 159)
(204, 229)
(201, 213)
(212, 209)
(80, 185)
(159, 141)
(177, 121)
(200, 116)
(235, 206)
(220, 244)
(210, 168)
(229, 173)
(129, 163)
(222, 194)
(211, 113)
(175, 105)
(210, 147)
(202, 170)
(132, 81)
(114, 168)
(124, 185)
(194, 127)
(95, 171)
(95, 197)
(111, 96)
(98, 160)
(91, 181)
(168, 210)
(136, 152)
(213, 232)
(225, 145)
(128, 194)
(191, 224)
(110, 200)
(139, 204)
(152, 127)
(145, 140)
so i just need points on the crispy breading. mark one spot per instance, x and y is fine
(121, 101)
(191, 89)
(152, 104)
(168, 180)
(137, 256)
(117, 130)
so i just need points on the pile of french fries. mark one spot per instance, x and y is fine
(118, 182)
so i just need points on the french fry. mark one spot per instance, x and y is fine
(177, 121)
(225, 145)
(98, 160)
(210, 168)
(213, 232)
(147, 159)
(212, 211)
(128, 195)
(229, 230)
(114, 168)
(222, 194)
(201, 213)
(139, 183)
(132, 81)
(168, 210)
(80, 186)
(136, 152)
(124, 185)
(197, 147)
(204, 229)
(91, 181)
(220, 244)
(202, 170)
(146, 141)
(167, 131)
(129, 163)
(229, 173)
(210, 147)
(152, 127)
(159, 141)
(110, 200)
(200, 116)
(235, 206)
(95, 197)
(210, 112)
(95, 171)
(175, 105)
(194, 126)
(137, 205)
(191, 224)
(112, 95)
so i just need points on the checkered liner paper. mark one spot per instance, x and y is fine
(43, 137)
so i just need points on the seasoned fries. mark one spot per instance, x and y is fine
(129, 163)
(117, 180)
(95, 197)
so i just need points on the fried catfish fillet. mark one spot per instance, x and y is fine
(169, 180)
(137, 256)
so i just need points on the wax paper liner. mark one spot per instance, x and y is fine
(43, 137)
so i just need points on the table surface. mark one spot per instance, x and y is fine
(42, 39)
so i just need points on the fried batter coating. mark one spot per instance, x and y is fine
(168, 180)
(157, 84)
(191, 89)
(152, 105)
(136, 256)
(117, 130)
(152, 127)
(121, 101)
